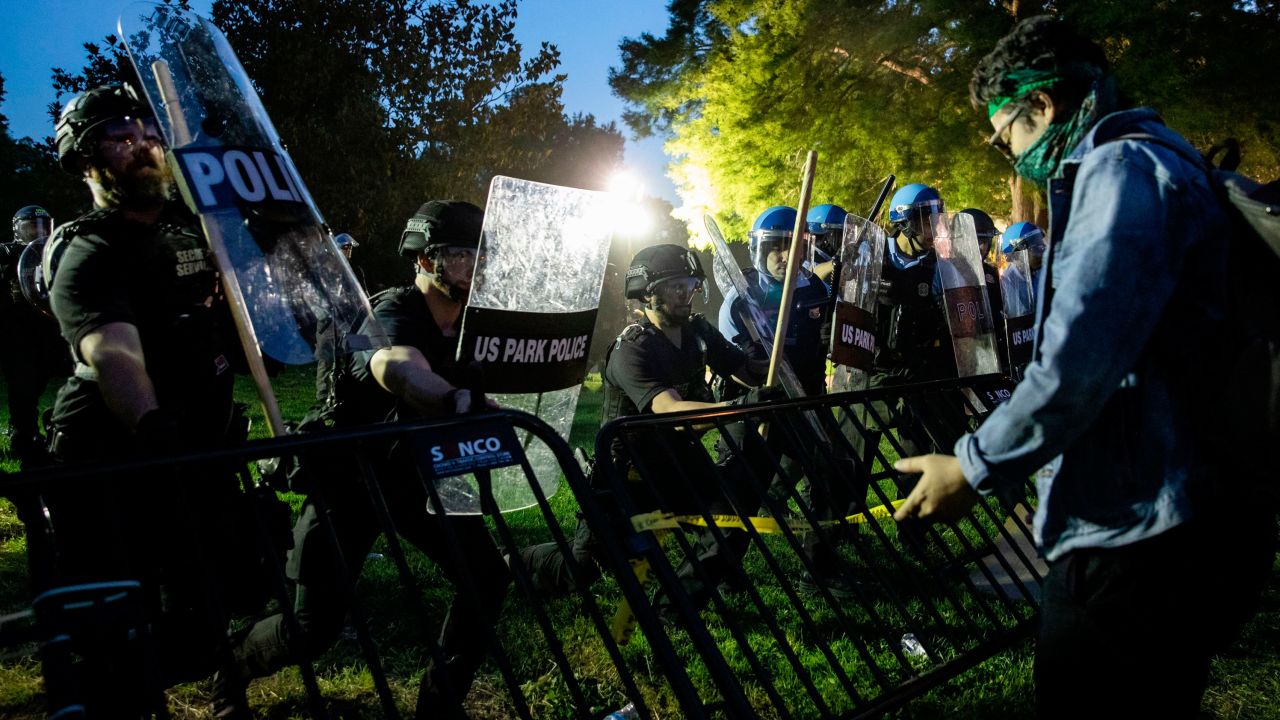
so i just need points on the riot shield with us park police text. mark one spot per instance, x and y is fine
(853, 336)
(296, 293)
(529, 319)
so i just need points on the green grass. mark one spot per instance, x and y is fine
(1245, 681)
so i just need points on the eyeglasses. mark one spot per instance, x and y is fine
(997, 140)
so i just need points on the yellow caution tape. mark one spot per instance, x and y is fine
(659, 520)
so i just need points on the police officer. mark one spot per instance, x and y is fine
(137, 300)
(805, 346)
(658, 365)
(347, 245)
(1023, 236)
(33, 353)
(826, 229)
(805, 349)
(986, 230)
(417, 376)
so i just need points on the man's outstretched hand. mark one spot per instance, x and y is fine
(941, 494)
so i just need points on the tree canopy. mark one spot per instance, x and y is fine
(385, 104)
(742, 88)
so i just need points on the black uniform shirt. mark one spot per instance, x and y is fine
(407, 320)
(161, 279)
(644, 363)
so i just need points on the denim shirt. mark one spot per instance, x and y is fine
(1137, 264)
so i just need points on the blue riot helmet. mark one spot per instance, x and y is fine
(913, 211)
(985, 227)
(1023, 236)
(770, 235)
(826, 227)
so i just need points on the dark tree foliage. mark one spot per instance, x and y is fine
(389, 103)
(384, 104)
(741, 88)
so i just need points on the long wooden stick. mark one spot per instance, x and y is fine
(793, 264)
(230, 284)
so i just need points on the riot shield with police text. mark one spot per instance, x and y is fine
(964, 295)
(853, 336)
(529, 319)
(1017, 290)
(300, 300)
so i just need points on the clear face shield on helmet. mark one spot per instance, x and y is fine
(29, 230)
(771, 252)
(919, 222)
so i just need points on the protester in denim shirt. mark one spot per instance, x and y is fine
(1152, 570)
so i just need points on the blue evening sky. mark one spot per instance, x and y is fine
(42, 34)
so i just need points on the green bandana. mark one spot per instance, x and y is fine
(1043, 159)
(1027, 81)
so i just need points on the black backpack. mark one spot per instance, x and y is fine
(1243, 409)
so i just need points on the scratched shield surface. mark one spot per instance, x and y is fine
(302, 298)
(545, 249)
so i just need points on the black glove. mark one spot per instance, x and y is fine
(157, 433)
(762, 394)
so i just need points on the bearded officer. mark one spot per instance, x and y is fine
(136, 296)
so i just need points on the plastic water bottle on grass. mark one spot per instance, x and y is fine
(627, 712)
(912, 646)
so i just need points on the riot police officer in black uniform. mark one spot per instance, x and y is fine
(33, 353)
(137, 299)
(417, 376)
(658, 365)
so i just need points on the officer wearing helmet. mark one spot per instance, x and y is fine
(658, 365)
(417, 376)
(806, 341)
(1025, 236)
(986, 230)
(347, 245)
(826, 230)
(917, 344)
(805, 348)
(137, 299)
(33, 353)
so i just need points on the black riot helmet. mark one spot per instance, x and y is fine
(442, 223)
(88, 112)
(31, 223)
(984, 226)
(654, 264)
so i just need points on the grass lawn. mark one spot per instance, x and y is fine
(1245, 681)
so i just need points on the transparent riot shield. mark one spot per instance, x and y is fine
(853, 335)
(300, 299)
(964, 295)
(733, 283)
(1018, 292)
(31, 276)
(529, 319)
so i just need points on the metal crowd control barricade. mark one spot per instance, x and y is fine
(546, 655)
(893, 611)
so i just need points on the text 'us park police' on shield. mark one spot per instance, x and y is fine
(526, 352)
(855, 341)
(220, 178)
